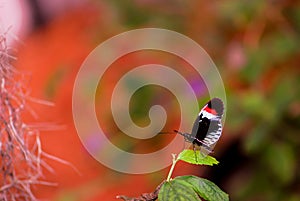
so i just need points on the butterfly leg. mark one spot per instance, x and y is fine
(195, 152)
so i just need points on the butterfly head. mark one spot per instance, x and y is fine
(213, 109)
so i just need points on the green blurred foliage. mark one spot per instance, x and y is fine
(256, 46)
(264, 99)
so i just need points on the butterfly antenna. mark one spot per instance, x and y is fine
(166, 132)
(176, 131)
(180, 133)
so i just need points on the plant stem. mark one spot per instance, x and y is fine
(174, 161)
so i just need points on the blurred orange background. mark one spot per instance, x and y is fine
(255, 46)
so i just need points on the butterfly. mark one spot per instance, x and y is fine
(207, 128)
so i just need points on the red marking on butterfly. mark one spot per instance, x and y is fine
(211, 111)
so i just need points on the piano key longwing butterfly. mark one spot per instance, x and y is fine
(207, 128)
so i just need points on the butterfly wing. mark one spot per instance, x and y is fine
(200, 129)
(213, 134)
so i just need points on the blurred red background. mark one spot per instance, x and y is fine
(256, 47)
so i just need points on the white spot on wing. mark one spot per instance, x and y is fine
(207, 115)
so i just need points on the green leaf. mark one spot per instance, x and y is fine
(196, 157)
(177, 190)
(206, 189)
(191, 188)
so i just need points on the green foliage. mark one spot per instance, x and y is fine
(133, 15)
(256, 44)
(281, 160)
(191, 188)
(197, 158)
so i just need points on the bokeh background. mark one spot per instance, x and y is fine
(255, 45)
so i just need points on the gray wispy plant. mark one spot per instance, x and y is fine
(22, 158)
